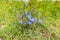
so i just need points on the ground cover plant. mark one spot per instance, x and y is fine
(33, 20)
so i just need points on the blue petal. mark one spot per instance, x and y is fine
(28, 16)
(33, 20)
(28, 22)
(40, 21)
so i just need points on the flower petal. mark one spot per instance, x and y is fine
(39, 21)
(28, 16)
(28, 22)
(33, 20)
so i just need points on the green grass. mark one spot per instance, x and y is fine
(15, 31)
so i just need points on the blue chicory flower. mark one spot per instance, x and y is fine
(29, 22)
(33, 20)
(28, 16)
(40, 21)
